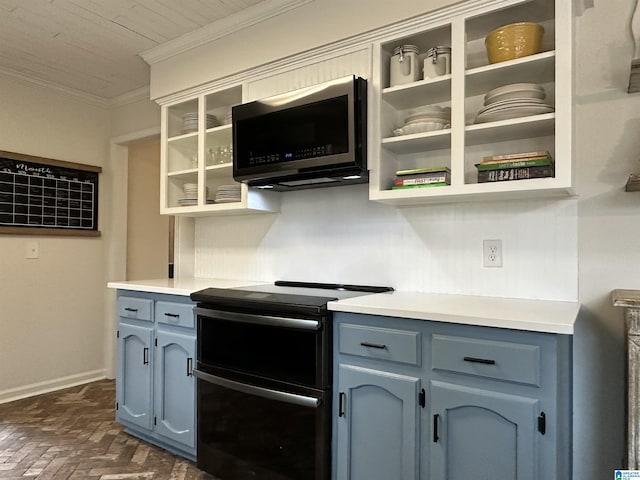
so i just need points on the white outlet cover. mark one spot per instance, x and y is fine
(492, 253)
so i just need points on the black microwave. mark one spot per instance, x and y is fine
(308, 138)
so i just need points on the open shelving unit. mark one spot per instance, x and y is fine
(464, 144)
(189, 156)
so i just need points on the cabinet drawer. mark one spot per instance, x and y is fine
(381, 343)
(179, 314)
(138, 308)
(511, 362)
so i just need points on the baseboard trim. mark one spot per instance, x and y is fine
(39, 388)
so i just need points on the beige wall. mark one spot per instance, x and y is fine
(135, 116)
(147, 230)
(52, 308)
(57, 316)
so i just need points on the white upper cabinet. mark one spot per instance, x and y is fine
(196, 169)
(464, 144)
(196, 159)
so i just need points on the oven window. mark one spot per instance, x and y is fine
(242, 436)
(285, 354)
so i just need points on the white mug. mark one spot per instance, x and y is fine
(437, 62)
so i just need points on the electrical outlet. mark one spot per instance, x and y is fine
(492, 253)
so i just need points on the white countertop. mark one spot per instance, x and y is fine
(519, 314)
(180, 286)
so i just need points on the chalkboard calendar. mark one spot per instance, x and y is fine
(39, 195)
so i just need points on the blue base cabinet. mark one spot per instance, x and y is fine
(378, 424)
(155, 387)
(478, 430)
(425, 400)
(134, 379)
(174, 386)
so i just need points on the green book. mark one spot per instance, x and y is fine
(423, 170)
(537, 162)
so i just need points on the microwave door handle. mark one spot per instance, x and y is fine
(292, 398)
(269, 320)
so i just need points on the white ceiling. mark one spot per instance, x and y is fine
(94, 46)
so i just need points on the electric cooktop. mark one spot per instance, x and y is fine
(284, 293)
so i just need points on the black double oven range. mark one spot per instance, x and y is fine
(264, 379)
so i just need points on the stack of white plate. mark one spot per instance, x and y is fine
(425, 119)
(513, 101)
(190, 122)
(228, 193)
(191, 194)
(227, 116)
(190, 190)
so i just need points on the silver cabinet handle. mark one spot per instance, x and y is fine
(259, 391)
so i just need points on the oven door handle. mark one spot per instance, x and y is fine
(301, 400)
(259, 319)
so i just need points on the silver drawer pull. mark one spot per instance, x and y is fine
(484, 361)
(373, 345)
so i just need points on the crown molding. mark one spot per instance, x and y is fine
(344, 45)
(70, 92)
(137, 95)
(221, 28)
(133, 96)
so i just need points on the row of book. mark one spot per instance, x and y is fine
(494, 168)
(422, 177)
(515, 166)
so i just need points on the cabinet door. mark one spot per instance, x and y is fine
(377, 435)
(482, 434)
(133, 385)
(175, 387)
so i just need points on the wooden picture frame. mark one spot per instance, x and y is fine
(43, 196)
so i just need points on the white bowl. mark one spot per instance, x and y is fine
(420, 127)
(516, 90)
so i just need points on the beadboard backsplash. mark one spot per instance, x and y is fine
(338, 235)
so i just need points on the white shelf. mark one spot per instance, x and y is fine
(515, 189)
(183, 138)
(515, 128)
(423, 92)
(220, 170)
(460, 146)
(179, 152)
(183, 173)
(418, 142)
(220, 129)
(532, 69)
